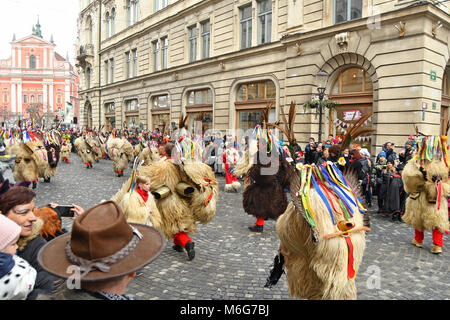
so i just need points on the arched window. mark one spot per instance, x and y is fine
(107, 25)
(113, 21)
(32, 62)
(32, 99)
(352, 80)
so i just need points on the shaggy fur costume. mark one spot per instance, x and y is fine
(318, 270)
(30, 158)
(421, 207)
(178, 213)
(264, 196)
(52, 162)
(84, 150)
(120, 151)
(65, 152)
(138, 211)
(148, 155)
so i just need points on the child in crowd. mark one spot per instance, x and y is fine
(17, 277)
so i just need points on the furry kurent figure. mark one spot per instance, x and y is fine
(65, 152)
(185, 192)
(53, 154)
(85, 151)
(267, 175)
(230, 158)
(120, 151)
(425, 179)
(322, 232)
(31, 156)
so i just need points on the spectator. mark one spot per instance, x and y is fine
(367, 170)
(18, 205)
(390, 152)
(310, 151)
(325, 156)
(355, 163)
(390, 191)
(407, 153)
(378, 174)
(17, 277)
(100, 278)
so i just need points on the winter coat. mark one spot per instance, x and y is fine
(28, 250)
(390, 192)
(19, 279)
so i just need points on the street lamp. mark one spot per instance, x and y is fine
(321, 82)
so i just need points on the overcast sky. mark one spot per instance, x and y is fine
(57, 17)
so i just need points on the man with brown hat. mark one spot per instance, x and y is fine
(102, 254)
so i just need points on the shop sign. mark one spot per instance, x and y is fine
(349, 114)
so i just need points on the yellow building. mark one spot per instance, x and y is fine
(143, 63)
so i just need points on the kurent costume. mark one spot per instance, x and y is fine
(85, 150)
(230, 158)
(322, 231)
(425, 179)
(52, 142)
(185, 192)
(7, 162)
(267, 174)
(31, 157)
(120, 151)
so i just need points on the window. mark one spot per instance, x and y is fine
(107, 25)
(32, 99)
(161, 101)
(25, 98)
(155, 5)
(164, 3)
(89, 30)
(136, 11)
(199, 97)
(110, 107)
(155, 46)
(192, 43)
(88, 78)
(32, 62)
(135, 63)
(58, 99)
(132, 105)
(40, 98)
(205, 33)
(246, 26)
(5, 98)
(256, 91)
(352, 80)
(106, 71)
(264, 21)
(111, 68)
(445, 85)
(160, 111)
(128, 12)
(164, 46)
(128, 64)
(346, 10)
(113, 22)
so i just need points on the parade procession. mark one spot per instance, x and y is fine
(242, 154)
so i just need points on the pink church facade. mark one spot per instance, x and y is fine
(37, 76)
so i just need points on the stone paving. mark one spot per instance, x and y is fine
(232, 263)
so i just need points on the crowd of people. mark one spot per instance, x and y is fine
(31, 275)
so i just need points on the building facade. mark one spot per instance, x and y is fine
(145, 63)
(35, 81)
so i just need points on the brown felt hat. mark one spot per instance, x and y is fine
(103, 244)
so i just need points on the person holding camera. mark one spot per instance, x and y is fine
(390, 191)
(380, 165)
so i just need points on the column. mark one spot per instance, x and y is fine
(44, 97)
(19, 97)
(51, 98)
(13, 98)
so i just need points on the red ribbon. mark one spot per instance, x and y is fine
(208, 199)
(351, 272)
(439, 194)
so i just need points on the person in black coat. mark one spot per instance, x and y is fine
(390, 190)
(406, 154)
(18, 205)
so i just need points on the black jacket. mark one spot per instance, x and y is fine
(44, 280)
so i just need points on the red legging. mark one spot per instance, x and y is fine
(181, 239)
(437, 237)
(259, 221)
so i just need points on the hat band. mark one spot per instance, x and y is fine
(103, 264)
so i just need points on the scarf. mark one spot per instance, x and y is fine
(144, 194)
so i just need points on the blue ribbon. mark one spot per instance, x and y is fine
(319, 191)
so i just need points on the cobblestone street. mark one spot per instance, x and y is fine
(233, 263)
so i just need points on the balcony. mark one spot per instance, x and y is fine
(85, 56)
